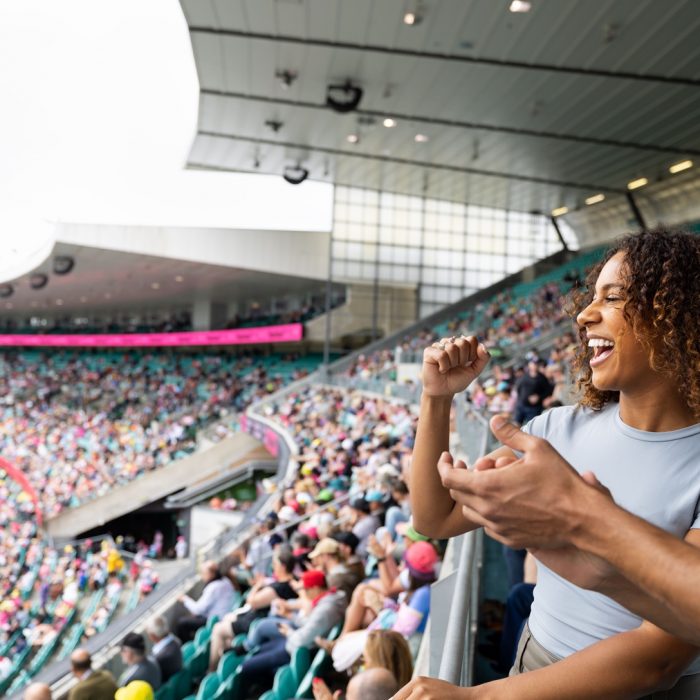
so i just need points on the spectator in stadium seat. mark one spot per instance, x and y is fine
(531, 389)
(637, 426)
(327, 556)
(167, 648)
(260, 597)
(37, 691)
(92, 685)
(139, 667)
(372, 684)
(216, 599)
(363, 523)
(348, 546)
(325, 610)
(136, 690)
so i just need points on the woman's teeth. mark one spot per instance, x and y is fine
(600, 343)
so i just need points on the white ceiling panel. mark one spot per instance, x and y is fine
(531, 110)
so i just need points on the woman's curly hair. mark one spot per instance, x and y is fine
(662, 305)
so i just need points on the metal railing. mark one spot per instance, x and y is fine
(449, 642)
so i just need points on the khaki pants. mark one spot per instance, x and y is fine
(531, 655)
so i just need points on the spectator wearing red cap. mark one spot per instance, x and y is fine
(278, 638)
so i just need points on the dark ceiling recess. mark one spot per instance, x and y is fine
(343, 98)
(38, 280)
(63, 264)
(295, 174)
(6, 291)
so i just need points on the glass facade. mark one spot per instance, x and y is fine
(446, 249)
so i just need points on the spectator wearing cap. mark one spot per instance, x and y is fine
(216, 599)
(328, 557)
(348, 547)
(278, 640)
(136, 690)
(531, 390)
(139, 667)
(167, 648)
(363, 523)
(92, 685)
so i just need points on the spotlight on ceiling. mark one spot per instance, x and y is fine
(38, 280)
(295, 174)
(63, 264)
(286, 77)
(6, 291)
(680, 167)
(352, 138)
(560, 211)
(412, 18)
(344, 97)
(636, 184)
(520, 6)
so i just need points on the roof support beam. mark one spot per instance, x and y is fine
(521, 65)
(458, 124)
(404, 161)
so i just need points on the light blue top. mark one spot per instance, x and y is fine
(656, 476)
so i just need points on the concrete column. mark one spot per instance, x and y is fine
(208, 315)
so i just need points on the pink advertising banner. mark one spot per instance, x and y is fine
(16, 475)
(287, 333)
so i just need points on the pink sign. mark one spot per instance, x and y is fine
(287, 333)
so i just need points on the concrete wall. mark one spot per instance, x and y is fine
(396, 309)
(207, 523)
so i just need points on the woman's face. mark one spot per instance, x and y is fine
(619, 361)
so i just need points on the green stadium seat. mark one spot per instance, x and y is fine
(227, 665)
(301, 660)
(188, 650)
(182, 683)
(284, 686)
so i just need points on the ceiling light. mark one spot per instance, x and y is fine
(108, 295)
(636, 184)
(421, 138)
(352, 138)
(38, 280)
(389, 122)
(286, 77)
(155, 285)
(680, 167)
(560, 211)
(179, 278)
(8, 305)
(59, 302)
(83, 299)
(595, 199)
(343, 97)
(6, 290)
(412, 19)
(520, 6)
(295, 174)
(63, 264)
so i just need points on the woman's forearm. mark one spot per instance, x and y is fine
(627, 665)
(431, 503)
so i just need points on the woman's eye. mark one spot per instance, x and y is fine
(613, 298)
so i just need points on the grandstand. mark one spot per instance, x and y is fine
(177, 402)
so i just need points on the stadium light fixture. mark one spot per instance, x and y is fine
(595, 199)
(6, 291)
(389, 123)
(179, 278)
(520, 6)
(295, 174)
(636, 184)
(412, 19)
(421, 138)
(560, 211)
(352, 138)
(63, 264)
(155, 285)
(343, 97)
(59, 302)
(38, 280)
(680, 167)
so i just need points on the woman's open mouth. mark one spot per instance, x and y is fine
(602, 349)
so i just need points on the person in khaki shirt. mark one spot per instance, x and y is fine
(92, 685)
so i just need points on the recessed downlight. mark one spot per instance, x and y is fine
(680, 167)
(389, 122)
(636, 184)
(155, 285)
(595, 199)
(421, 138)
(352, 138)
(520, 6)
(560, 211)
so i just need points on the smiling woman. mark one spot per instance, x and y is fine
(643, 293)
